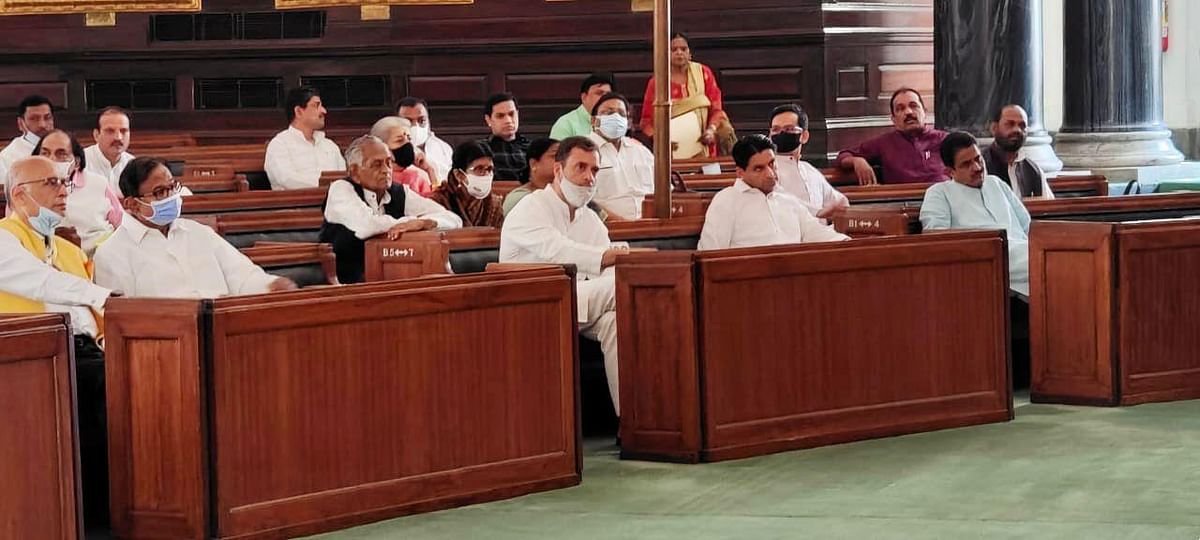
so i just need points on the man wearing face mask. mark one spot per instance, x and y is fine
(368, 204)
(35, 118)
(468, 190)
(39, 273)
(93, 209)
(554, 226)
(156, 253)
(435, 152)
(789, 133)
(626, 168)
(1004, 159)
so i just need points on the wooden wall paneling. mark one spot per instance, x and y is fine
(157, 418)
(385, 398)
(659, 347)
(1159, 304)
(922, 344)
(1071, 311)
(39, 496)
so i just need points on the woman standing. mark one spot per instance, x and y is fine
(698, 119)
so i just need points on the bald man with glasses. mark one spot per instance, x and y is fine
(40, 273)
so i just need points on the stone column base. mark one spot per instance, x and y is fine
(1116, 150)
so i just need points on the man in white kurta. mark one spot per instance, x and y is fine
(754, 212)
(437, 153)
(976, 200)
(298, 155)
(35, 119)
(626, 167)
(789, 133)
(554, 225)
(155, 253)
(108, 157)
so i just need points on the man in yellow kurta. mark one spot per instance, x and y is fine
(41, 272)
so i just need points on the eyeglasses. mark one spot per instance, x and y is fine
(163, 192)
(53, 182)
(481, 170)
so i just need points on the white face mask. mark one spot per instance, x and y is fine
(418, 135)
(63, 168)
(613, 126)
(577, 196)
(479, 186)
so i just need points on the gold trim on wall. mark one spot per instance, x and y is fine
(54, 7)
(298, 4)
(642, 5)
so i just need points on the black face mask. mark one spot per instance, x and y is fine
(786, 142)
(404, 156)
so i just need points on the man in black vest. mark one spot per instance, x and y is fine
(368, 204)
(1003, 160)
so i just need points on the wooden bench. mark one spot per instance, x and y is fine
(297, 413)
(226, 203)
(38, 493)
(306, 264)
(1112, 311)
(735, 353)
(904, 218)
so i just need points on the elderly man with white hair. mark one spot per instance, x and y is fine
(368, 203)
(39, 273)
(412, 168)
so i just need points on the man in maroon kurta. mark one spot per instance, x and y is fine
(908, 154)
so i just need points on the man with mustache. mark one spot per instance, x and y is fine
(108, 157)
(977, 200)
(907, 155)
(1003, 156)
(298, 155)
(35, 118)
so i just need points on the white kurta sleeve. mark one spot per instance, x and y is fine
(416, 206)
(718, 226)
(832, 198)
(1019, 210)
(935, 210)
(23, 275)
(283, 172)
(812, 230)
(242, 276)
(546, 243)
(343, 207)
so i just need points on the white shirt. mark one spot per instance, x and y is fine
(24, 275)
(540, 230)
(743, 216)
(368, 218)
(191, 261)
(440, 154)
(294, 163)
(88, 206)
(626, 176)
(98, 164)
(801, 179)
(20, 147)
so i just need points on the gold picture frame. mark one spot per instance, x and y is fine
(54, 7)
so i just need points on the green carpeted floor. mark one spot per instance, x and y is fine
(1054, 472)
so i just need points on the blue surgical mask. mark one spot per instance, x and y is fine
(46, 220)
(166, 211)
(614, 126)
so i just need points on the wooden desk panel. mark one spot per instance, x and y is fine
(330, 408)
(920, 345)
(39, 493)
(1113, 311)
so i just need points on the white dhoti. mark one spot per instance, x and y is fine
(597, 299)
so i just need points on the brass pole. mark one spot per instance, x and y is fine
(662, 108)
